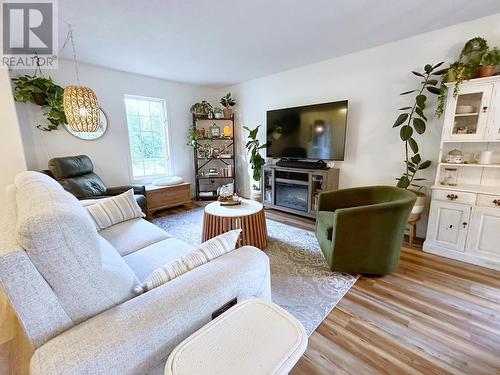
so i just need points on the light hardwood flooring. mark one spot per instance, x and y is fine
(433, 316)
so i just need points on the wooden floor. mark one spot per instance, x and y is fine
(433, 316)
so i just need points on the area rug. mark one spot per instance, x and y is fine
(301, 281)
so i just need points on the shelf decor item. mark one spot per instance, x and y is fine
(214, 131)
(218, 114)
(228, 103)
(455, 157)
(228, 131)
(43, 92)
(80, 102)
(450, 176)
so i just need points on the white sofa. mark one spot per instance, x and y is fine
(71, 286)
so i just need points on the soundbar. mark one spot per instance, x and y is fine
(304, 164)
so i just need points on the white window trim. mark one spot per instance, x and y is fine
(167, 143)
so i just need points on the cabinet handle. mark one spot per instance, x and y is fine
(496, 202)
(485, 108)
(464, 224)
(452, 197)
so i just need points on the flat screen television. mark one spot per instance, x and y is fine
(314, 132)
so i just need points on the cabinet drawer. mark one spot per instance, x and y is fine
(485, 200)
(454, 196)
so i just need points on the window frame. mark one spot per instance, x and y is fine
(166, 137)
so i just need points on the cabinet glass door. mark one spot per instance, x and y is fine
(470, 115)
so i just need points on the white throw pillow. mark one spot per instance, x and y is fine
(111, 211)
(204, 253)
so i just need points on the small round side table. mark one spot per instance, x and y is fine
(248, 216)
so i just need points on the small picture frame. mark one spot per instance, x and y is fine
(214, 131)
(215, 152)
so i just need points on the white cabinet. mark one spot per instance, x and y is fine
(484, 236)
(448, 224)
(464, 220)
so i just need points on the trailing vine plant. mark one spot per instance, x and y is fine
(413, 120)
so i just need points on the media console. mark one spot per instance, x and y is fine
(296, 190)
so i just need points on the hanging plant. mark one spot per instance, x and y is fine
(413, 120)
(45, 93)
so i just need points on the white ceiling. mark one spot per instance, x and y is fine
(222, 42)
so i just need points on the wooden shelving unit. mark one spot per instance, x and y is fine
(206, 185)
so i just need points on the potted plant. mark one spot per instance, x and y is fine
(217, 112)
(253, 147)
(193, 137)
(413, 121)
(202, 108)
(489, 62)
(228, 102)
(45, 93)
(472, 53)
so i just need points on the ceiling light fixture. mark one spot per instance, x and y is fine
(80, 102)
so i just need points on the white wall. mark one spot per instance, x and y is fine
(371, 80)
(110, 153)
(12, 159)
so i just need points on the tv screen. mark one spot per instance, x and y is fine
(309, 132)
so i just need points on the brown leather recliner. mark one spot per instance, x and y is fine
(76, 175)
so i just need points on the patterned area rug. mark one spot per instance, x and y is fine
(301, 282)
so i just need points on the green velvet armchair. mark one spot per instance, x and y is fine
(360, 230)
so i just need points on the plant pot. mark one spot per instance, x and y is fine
(486, 71)
(419, 205)
(228, 112)
(451, 76)
(39, 98)
(218, 115)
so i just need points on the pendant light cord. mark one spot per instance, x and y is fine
(69, 38)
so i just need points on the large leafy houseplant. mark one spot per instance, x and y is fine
(253, 146)
(413, 120)
(45, 93)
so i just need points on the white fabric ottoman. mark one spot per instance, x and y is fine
(255, 337)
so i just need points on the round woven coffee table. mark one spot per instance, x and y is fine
(248, 216)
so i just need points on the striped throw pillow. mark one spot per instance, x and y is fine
(204, 253)
(111, 211)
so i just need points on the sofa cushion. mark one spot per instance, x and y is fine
(114, 210)
(207, 251)
(62, 242)
(146, 260)
(116, 272)
(133, 235)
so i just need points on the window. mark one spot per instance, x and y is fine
(148, 137)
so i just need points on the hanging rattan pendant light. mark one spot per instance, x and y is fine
(80, 103)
